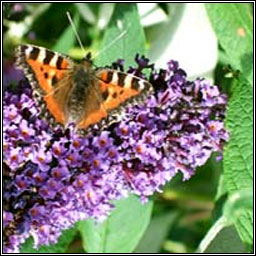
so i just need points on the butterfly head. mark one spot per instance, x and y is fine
(87, 57)
(86, 61)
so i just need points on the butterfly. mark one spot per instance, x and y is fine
(76, 92)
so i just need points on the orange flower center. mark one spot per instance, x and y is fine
(103, 142)
(96, 163)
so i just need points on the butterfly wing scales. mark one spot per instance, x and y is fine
(56, 100)
(115, 89)
(94, 111)
(45, 71)
(118, 88)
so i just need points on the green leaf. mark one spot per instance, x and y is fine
(156, 233)
(67, 39)
(233, 24)
(220, 199)
(238, 153)
(86, 13)
(222, 238)
(61, 247)
(222, 188)
(238, 202)
(49, 24)
(105, 13)
(124, 36)
(239, 210)
(244, 227)
(121, 232)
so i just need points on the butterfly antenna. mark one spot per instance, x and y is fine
(110, 44)
(75, 31)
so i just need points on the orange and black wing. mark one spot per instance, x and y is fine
(45, 71)
(115, 89)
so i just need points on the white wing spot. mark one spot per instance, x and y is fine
(114, 78)
(41, 55)
(54, 60)
(142, 85)
(28, 50)
(128, 81)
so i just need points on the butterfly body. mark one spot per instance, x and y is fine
(77, 93)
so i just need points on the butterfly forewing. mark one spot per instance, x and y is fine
(46, 71)
(42, 65)
(119, 88)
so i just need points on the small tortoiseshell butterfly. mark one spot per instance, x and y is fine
(76, 92)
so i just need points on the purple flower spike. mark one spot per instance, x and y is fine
(56, 177)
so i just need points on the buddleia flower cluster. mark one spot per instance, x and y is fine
(56, 177)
